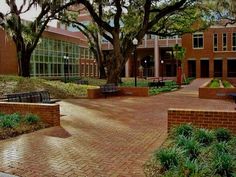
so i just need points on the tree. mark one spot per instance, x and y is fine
(224, 10)
(26, 34)
(91, 31)
(179, 53)
(122, 21)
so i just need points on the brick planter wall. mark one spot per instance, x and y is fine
(49, 113)
(203, 118)
(214, 93)
(123, 91)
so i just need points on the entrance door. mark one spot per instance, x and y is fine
(231, 68)
(204, 68)
(218, 68)
(191, 68)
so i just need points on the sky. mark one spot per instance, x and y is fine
(30, 15)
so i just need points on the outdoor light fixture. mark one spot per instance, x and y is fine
(162, 68)
(66, 68)
(135, 43)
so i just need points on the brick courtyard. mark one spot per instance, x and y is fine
(110, 137)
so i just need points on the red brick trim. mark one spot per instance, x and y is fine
(49, 113)
(203, 118)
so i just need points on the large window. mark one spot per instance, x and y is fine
(48, 58)
(234, 42)
(224, 41)
(198, 41)
(215, 41)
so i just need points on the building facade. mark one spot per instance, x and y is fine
(211, 53)
(58, 52)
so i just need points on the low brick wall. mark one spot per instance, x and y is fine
(203, 118)
(123, 91)
(214, 93)
(49, 113)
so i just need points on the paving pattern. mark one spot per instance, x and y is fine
(110, 137)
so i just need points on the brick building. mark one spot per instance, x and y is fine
(59, 51)
(211, 53)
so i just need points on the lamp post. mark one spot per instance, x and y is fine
(135, 43)
(66, 68)
(145, 61)
(162, 68)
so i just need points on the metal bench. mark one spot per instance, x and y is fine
(31, 97)
(109, 89)
(233, 95)
(156, 84)
(82, 82)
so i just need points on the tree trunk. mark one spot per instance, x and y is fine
(24, 64)
(102, 71)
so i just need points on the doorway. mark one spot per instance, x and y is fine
(218, 68)
(204, 68)
(191, 68)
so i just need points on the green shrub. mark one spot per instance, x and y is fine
(192, 148)
(10, 121)
(226, 84)
(214, 83)
(167, 157)
(221, 147)
(184, 130)
(222, 134)
(205, 137)
(31, 119)
(223, 164)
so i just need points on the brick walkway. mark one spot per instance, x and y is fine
(110, 137)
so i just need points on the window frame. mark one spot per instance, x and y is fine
(215, 42)
(198, 33)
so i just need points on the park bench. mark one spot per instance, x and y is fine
(155, 83)
(233, 95)
(31, 97)
(109, 89)
(82, 82)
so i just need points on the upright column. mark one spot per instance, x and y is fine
(225, 68)
(156, 57)
(198, 68)
(211, 67)
(127, 69)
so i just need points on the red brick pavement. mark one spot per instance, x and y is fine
(110, 137)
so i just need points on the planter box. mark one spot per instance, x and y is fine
(214, 93)
(49, 113)
(202, 118)
(123, 91)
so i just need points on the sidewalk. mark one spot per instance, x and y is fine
(110, 137)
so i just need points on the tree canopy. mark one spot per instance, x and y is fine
(26, 34)
(121, 21)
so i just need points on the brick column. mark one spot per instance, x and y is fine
(127, 69)
(225, 68)
(156, 57)
(211, 67)
(198, 68)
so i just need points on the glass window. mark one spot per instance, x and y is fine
(215, 40)
(198, 41)
(224, 42)
(234, 42)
